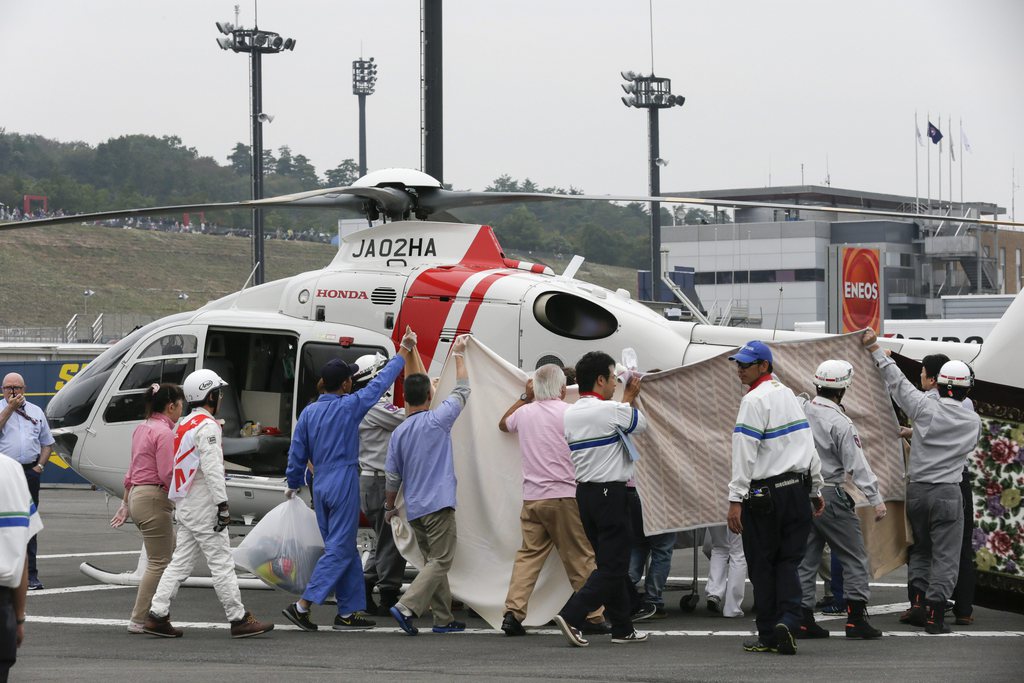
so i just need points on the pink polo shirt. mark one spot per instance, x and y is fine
(152, 453)
(547, 467)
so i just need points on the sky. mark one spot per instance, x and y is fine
(531, 88)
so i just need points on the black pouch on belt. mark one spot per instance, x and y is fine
(759, 501)
(844, 499)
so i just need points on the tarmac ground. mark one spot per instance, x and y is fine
(76, 631)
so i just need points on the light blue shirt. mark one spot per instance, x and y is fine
(22, 440)
(420, 456)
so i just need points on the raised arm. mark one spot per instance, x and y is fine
(503, 422)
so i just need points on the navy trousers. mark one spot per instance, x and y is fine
(774, 544)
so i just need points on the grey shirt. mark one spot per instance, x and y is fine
(375, 433)
(839, 447)
(945, 430)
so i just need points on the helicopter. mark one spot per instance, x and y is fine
(442, 279)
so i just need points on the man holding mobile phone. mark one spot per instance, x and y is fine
(25, 437)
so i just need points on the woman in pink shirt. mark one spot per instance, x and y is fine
(145, 490)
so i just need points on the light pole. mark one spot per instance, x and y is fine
(364, 79)
(256, 43)
(182, 298)
(85, 299)
(652, 93)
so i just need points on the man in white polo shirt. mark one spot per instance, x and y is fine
(597, 430)
(19, 522)
(550, 517)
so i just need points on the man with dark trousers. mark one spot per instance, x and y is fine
(597, 430)
(774, 468)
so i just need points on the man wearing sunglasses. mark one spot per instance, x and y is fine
(25, 437)
(775, 468)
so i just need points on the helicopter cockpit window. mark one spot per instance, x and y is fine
(574, 317)
(171, 345)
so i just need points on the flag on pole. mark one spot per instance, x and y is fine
(963, 140)
(934, 134)
(920, 140)
(952, 154)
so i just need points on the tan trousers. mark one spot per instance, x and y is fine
(435, 535)
(552, 523)
(152, 512)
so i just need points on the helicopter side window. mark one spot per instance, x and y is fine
(571, 316)
(169, 370)
(171, 345)
(315, 356)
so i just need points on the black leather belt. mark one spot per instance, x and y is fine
(780, 481)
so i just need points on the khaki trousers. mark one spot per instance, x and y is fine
(435, 535)
(152, 512)
(546, 524)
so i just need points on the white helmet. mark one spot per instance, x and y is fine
(369, 366)
(833, 374)
(955, 373)
(200, 383)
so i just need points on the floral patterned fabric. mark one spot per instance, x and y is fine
(997, 469)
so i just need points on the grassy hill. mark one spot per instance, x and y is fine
(43, 271)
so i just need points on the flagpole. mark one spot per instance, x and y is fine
(917, 182)
(940, 174)
(961, 161)
(928, 165)
(949, 127)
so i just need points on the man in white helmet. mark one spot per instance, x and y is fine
(385, 566)
(945, 434)
(201, 500)
(839, 448)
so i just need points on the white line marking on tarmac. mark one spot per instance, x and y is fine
(65, 556)
(80, 621)
(818, 582)
(872, 610)
(77, 589)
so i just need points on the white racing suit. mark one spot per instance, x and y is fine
(197, 515)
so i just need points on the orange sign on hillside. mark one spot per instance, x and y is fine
(861, 290)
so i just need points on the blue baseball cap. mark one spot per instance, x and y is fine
(753, 352)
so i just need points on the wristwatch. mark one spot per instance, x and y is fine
(524, 398)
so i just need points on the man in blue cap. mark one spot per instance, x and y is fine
(775, 468)
(327, 434)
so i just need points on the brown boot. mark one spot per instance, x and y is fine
(161, 626)
(249, 626)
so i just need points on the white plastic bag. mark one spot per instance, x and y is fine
(284, 547)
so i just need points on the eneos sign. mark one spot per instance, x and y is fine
(860, 293)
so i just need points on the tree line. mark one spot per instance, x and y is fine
(145, 170)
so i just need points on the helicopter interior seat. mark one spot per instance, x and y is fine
(264, 454)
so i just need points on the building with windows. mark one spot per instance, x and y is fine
(770, 267)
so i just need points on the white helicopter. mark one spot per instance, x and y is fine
(442, 279)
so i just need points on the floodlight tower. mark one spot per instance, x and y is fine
(255, 43)
(652, 93)
(364, 80)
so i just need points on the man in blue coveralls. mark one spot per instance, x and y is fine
(327, 434)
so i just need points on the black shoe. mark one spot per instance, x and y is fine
(450, 627)
(388, 598)
(371, 606)
(354, 622)
(634, 637)
(571, 633)
(857, 624)
(600, 628)
(935, 623)
(35, 585)
(785, 643)
(645, 611)
(512, 626)
(756, 645)
(300, 619)
(809, 628)
(823, 602)
(714, 604)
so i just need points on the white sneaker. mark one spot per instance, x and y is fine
(634, 637)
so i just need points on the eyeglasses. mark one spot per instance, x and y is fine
(12, 388)
(745, 366)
